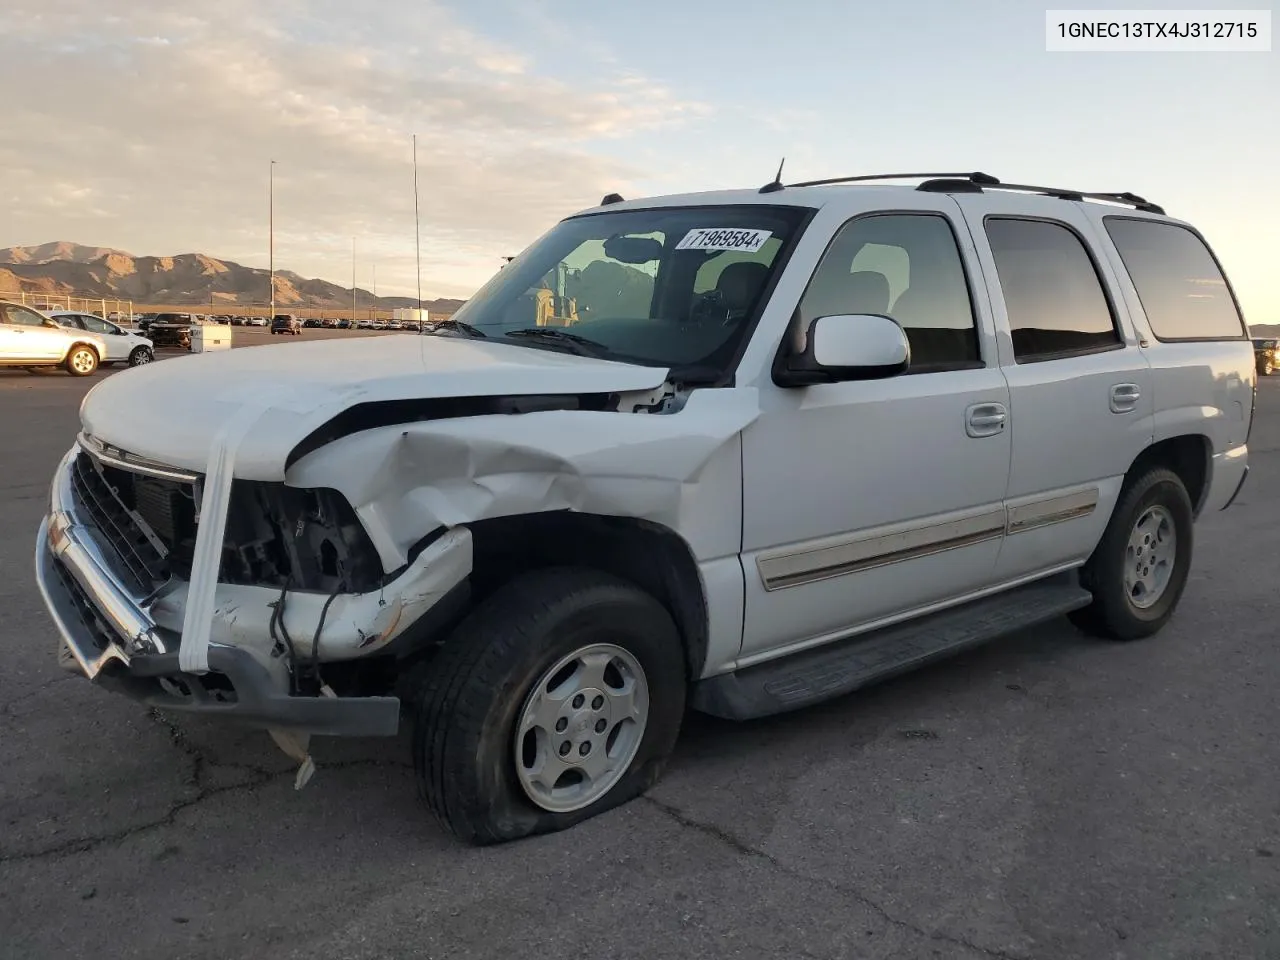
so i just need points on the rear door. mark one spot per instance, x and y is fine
(1079, 383)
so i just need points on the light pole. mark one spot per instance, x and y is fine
(417, 241)
(271, 233)
(354, 317)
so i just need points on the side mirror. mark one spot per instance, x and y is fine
(842, 347)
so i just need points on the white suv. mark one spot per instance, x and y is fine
(31, 340)
(743, 451)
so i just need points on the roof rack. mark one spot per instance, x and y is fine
(975, 177)
(975, 182)
(958, 183)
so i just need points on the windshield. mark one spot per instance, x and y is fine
(674, 287)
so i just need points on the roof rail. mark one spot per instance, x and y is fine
(960, 183)
(975, 177)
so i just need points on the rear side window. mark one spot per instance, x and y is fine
(1052, 294)
(1183, 292)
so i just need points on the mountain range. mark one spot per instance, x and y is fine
(73, 269)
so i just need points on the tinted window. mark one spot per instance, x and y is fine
(1052, 294)
(1183, 293)
(905, 266)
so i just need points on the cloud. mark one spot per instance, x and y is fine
(149, 126)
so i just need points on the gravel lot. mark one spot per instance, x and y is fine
(1045, 797)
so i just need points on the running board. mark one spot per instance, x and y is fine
(842, 666)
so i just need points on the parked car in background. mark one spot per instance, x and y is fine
(1266, 354)
(255, 321)
(30, 339)
(123, 346)
(171, 330)
(345, 324)
(283, 323)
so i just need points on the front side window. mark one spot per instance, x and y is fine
(675, 287)
(95, 325)
(22, 316)
(1183, 293)
(904, 266)
(1052, 293)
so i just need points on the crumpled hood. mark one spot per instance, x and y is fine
(171, 411)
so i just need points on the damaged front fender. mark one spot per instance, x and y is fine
(681, 470)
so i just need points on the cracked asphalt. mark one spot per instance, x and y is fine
(1047, 796)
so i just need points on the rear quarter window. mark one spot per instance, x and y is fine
(1183, 291)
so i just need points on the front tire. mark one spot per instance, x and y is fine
(558, 698)
(81, 361)
(1139, 569)
(140, 356)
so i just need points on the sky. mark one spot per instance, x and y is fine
(149, 125)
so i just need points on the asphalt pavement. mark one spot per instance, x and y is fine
(1047, 796)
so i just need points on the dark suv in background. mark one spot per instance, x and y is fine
(286, 323)
(1267, 355)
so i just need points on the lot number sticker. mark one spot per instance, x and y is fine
(714, 238)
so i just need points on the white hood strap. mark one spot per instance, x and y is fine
(193, 654)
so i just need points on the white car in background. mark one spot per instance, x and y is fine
(32, 340)
(123, 346)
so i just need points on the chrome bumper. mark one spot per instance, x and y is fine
(108, 634)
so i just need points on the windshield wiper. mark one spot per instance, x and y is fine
(458, 326)
(580, 345)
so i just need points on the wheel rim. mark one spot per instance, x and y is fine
(82, 361)
(580, 727)
(1150, 556)
(140, 357)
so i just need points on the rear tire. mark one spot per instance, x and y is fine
(1268, 368)
(558, 663)
(1139, 569)
(81, 361)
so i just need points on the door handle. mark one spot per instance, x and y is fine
(1124, 397)
(985, 419)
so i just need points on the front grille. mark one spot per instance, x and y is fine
(276, 536)
(106, 497)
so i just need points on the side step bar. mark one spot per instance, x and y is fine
(842, 666)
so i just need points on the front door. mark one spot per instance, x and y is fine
(1081, 406)
(865, 501)
(28, 337)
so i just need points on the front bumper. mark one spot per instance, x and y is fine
(127, 643)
